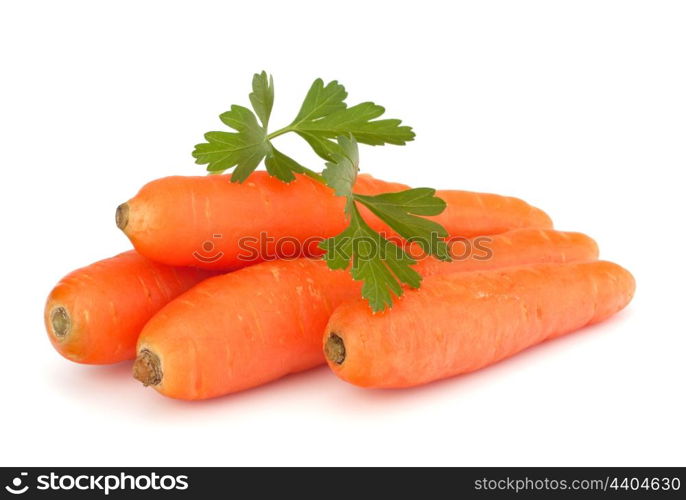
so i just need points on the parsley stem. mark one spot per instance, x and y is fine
(279, 132)
(314, 175)
(306, 171)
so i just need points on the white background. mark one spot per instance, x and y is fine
(579, 107)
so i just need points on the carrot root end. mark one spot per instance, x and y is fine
(147, 368)
(121, 216)
(60, 322)
(334, 349)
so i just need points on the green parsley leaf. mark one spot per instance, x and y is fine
(324, 147)
(321, 100)
(341, 172)
(243, 149)
(281, 166)
(381, 265)
(359, 121)
(324, 115)
(400, 211)
(262, 96)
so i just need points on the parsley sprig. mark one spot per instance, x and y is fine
(333, 130)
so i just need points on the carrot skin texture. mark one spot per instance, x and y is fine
(513, 248)
(470, 214)
(243, 329)
(201, 221)
(260, 323)
(458, 323)
(108, 303)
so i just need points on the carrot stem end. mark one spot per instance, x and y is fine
(121, 216)
(147, 368)
(334, 349)
(60, 322)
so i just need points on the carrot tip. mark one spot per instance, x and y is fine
(121, 217)
(334, 349)
(60, 321)
(147, 368)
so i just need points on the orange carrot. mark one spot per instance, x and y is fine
(242, 329)
(471, 214)
(94, 314)
(461, 322)
(517, 247)
(212, 223)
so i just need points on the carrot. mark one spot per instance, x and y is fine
(94, 314)
(517, 247)
(470, 214)
(243, 329)
(461, 322)
(222, 225)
